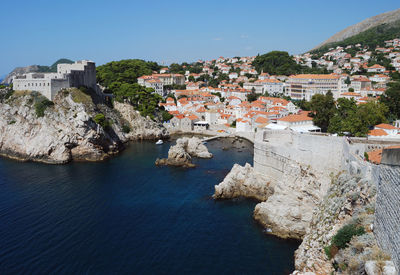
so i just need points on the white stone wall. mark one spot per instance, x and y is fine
(323, 153)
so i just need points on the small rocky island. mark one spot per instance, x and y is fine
(183, 151)
(76, 125)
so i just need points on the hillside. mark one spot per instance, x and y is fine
(34, 69)
(388, 22)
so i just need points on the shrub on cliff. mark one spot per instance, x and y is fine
(101, 120)
(342, 238)
(126, 129)
(41, 105)
(344, 235)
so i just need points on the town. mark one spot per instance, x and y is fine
(230, 95)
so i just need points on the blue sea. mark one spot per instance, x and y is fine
(127, 216)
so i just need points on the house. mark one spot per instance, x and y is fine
(381, 78)
(211, 117)
(376, 69)
(261, 121)
(243, 125)
(299, 122)
(389, 129)
(233, 100)
(384, 131)
(350, 95)
(233, 75)
(200, 126)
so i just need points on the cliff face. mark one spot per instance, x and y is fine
(66, 131)
(348, 200)
(288, 212)
(384, 18)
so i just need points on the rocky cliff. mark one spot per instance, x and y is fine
(384, 18)
(311, 189)
(349, 200)
(65, 130)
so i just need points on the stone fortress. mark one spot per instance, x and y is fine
(80, 73)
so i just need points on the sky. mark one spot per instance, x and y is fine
(42, 31)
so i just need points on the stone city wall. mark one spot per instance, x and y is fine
(387, 214)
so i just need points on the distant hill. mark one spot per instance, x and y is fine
(34, 69)
(378, 28)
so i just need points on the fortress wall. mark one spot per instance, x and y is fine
(276, 152)
(387, 214)
(275, 149)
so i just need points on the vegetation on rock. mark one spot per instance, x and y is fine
(102, 121)
(120, 79)
(41, 105)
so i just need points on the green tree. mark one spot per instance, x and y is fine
(391, 98)
(124, 71)
(323, 107)
(345, 108)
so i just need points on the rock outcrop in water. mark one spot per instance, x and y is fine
(65, 130)
(285, 207)
(243, 181)
(182, 152)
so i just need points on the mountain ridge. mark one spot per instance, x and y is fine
(369, 23)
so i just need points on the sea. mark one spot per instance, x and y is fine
(127, 216)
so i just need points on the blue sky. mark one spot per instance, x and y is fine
(41, 31)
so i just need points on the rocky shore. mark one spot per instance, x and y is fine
(183, 151)
(65, 129)
(296, 207)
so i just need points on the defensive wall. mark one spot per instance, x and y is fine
(274, 150)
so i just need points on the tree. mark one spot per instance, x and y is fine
(344, 109)
(191, 78)
(141, 98)
(347, 81)
(323, 107)
(391, 98)
(252, 96)
(356, 120)
(124, 71)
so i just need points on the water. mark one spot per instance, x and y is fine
(126, 216)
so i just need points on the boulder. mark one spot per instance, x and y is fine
(243, 181)
(182, 152)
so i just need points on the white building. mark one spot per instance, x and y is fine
(304, 86)
(299, 123)
(80, 73)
